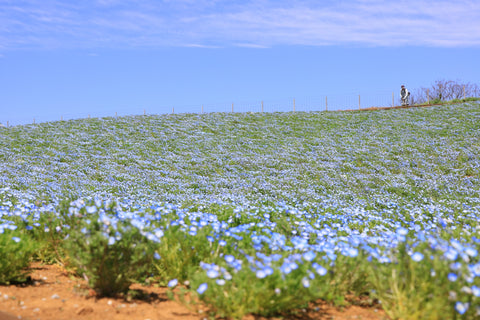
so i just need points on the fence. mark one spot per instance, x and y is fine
(336, 102)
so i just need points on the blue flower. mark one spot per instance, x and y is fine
(472, 252)
(156, 256)
(260, 274)
(455, 266)
(476, 291)
(306, 282)
(452, 277)
(16, 239)
(212, 273)
(285, 268)
(402, 231)
(461, 307)
(91, 209)
(201, 289)
(351, 252)
(309, 255)
(319, 269)
(451, 254)
(229, 258)
(222, 243)
(417, 256)
(172, 283)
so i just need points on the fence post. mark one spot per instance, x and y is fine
(61, 118)
(262, 106)
(144, 112)
(7, 123)
(326, 103)
(202, 108)
(232, 107)
(173, 110)
(393, 99)
(33, 120)
(293, 104)
(464, 93)
(428, 96)
(358, 102)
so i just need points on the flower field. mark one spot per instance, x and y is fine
(254, 213)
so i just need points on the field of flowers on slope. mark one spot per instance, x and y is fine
(260, 213)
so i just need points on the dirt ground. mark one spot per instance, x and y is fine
(54, 295)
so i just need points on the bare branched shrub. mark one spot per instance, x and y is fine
(445, 90)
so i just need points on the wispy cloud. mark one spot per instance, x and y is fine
(263, 23)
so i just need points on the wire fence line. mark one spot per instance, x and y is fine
(334, 102)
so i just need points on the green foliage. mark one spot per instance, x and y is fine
(181, 253)
(436, 101)
(246, 294)
(418, 290)
(111, 256)
(16, 250)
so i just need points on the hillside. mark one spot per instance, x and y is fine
(381, 156)
(254, 213)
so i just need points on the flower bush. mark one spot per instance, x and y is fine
(109, 251)
(16, 252)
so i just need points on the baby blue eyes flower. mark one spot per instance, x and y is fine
(212, 273)
(351, 252)
(229, 258)
(220, 282)
(202, 288)
(306, 282)
(417, 257)
(476, 291)
(319, 269)
(309, 255)
(287, 267)
(471, 252)
(261, 274)
(172, 283)
(91, 209)
(455, 266)
(16, 239)
(159, 233)
(451, 254)
(452, 277)
(461, 307)
(402, 231)
(156, 256)
(111, 241)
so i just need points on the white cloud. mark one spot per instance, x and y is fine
(263, 23)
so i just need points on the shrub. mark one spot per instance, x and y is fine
(111, 253)
(181, 253)
(424, 285)
(16, 251)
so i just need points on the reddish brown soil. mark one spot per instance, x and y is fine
(53, 295)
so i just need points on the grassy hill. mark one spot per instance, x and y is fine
(285, 196)
(423, 154)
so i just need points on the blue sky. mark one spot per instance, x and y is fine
(71, 59)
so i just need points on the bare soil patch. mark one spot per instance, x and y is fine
(52, 294)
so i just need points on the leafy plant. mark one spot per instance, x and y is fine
(110, 253)
(16, 251)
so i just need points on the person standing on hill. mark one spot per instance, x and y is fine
(405, 95)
